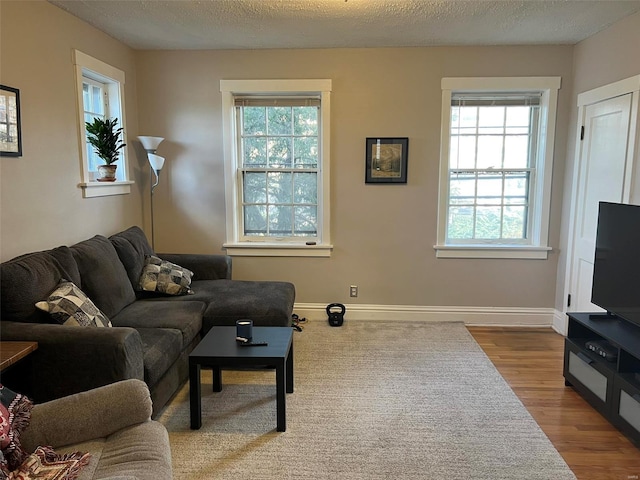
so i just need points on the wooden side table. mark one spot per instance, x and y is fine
(13, 352)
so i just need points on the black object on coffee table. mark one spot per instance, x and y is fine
(219, 349)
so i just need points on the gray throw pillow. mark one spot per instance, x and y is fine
(69, 305)
(165, 277)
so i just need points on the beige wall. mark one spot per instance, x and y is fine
(41, 205)
(383, 234)
(604, 58)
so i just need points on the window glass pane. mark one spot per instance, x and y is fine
(305, 188)
(280, 220)
(97, 105)
(255, 120)
(255, 187)
(468, 117)
(86, 98)
(279, 187)
(489, 151)
(460, 222)
(280, 152)
(463, 152)
(488, 222)
(462, 188)
(490, 189)
(255, 152)
(306, 220)
(516, 188)
(515, 224)
(518, 116)
(305, 121)
(305, 152)
(255, 220)
(279, 120)
(516, 151)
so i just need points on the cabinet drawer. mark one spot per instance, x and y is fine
(590, 376)
(626, 406)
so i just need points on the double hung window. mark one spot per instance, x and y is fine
(100, 95)
(496, 167)
(277, 162)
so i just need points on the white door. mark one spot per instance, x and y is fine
(601, 178)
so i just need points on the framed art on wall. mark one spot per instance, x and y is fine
(10, 135)
(386, 160)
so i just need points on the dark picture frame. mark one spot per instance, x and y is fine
(10, 131)
(386, 159)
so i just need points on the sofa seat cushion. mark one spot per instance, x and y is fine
(161, 348)
(30, 278)
(104, 278)
(183, 316)
(266, 303)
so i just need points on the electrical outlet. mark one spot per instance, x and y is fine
(353, 291)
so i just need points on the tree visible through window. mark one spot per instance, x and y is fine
(279, 167)
(492, 159)
(496, 165)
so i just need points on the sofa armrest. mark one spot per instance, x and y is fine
(93, 414)
(204, 267)
(71, 359)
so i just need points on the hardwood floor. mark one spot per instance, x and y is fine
(530, 360)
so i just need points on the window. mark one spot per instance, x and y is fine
(100, 94)
(277, 158)
(496, 162)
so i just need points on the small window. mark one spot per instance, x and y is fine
(496, 167)
(100, 94)
(277, 159)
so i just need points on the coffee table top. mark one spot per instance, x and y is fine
(220, 344)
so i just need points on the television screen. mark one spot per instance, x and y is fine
(616, 272)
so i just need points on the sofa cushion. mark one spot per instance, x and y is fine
(266, 303)
(161, 347)
(104, 278)
(165, 277)
(69, 305)
(183, 316)
(27, 279)
(132, 246)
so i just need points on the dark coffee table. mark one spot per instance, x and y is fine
(219, 349)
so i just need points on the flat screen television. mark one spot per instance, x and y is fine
(616, 272)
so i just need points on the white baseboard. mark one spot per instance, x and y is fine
(486, 316)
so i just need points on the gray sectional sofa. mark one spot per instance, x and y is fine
(152, 334)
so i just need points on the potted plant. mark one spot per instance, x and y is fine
(104, 136)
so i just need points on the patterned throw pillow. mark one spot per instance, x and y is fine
(165, 277)
(69, 305)
(15, 414)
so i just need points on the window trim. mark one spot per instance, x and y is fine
(114, 80)
(233, 245)
(537, 247)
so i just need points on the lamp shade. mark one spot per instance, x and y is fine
(156, 161)
(150, 143)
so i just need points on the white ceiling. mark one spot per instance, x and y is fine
(254, 24)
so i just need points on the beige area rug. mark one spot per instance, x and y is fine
(372, 400)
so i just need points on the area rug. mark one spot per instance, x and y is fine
(372, 400)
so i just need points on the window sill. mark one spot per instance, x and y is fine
(259, 249)
(492, 251)
(103, 189)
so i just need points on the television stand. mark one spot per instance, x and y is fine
(611, 387)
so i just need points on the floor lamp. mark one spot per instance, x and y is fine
(156, 162)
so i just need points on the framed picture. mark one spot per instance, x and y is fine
(387, 160)
(10, 136)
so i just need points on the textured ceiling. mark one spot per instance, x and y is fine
(253, 24)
